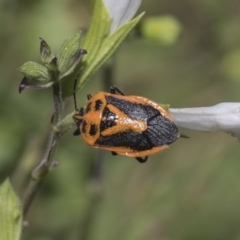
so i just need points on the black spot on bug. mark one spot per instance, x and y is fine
(105, 124)
(93, 130)
(109, 119)
(98, 105)
(84, 125)
(88, 108)
(107, 114)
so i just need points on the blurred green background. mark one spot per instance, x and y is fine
(191, 191)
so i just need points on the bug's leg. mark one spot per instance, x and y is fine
(81, 111)
(114, 153)
(77, 132)
(142, 160)
(115, 90)
(89, 96)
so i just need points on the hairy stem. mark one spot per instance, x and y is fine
(47, 162)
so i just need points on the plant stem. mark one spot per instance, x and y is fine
(47, 162)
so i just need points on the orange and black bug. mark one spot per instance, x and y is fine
(133, 126)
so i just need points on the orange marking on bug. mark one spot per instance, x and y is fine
(124, 123)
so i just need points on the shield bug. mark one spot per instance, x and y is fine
(132, 126)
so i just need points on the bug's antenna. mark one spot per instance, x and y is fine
(81, 52)
(74, 88)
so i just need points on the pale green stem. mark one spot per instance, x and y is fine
(47, 162)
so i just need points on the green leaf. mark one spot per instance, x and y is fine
(69, 55)
(10, 213)
(98, 31)
(35, 76)
(35, 71)
(108, 47)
